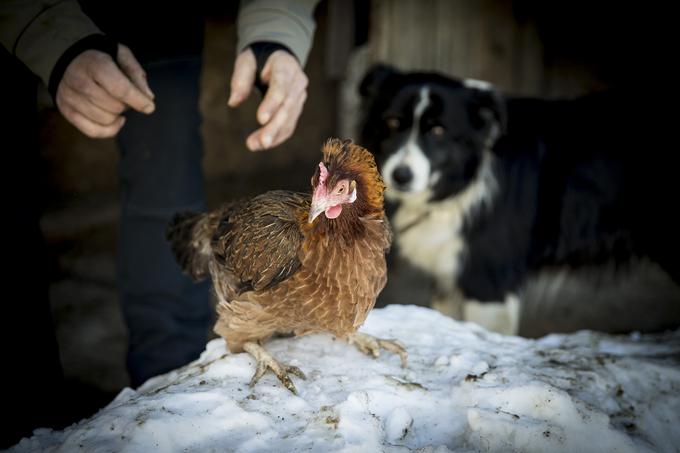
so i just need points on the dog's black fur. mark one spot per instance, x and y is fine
(578, 182)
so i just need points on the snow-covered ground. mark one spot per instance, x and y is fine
(465, 389)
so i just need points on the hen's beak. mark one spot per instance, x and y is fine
(318, 206)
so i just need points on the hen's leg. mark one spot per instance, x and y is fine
(266, 361)
(371, 346)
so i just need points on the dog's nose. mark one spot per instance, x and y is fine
(402, 175)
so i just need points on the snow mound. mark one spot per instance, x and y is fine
(465, 389)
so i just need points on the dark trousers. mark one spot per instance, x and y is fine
(168, 316)
(32, 379)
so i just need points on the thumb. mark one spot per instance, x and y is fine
(243, 78)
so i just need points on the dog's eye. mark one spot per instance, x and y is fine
(392, 123)
(438, 131)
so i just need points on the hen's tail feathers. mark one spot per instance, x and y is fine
(190, 243)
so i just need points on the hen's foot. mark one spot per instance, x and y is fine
(266, 361)
(371, 346)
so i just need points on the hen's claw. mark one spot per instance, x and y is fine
(265, 361)
(370, 345)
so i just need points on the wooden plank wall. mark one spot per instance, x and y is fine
(477, 39)
(480, 39)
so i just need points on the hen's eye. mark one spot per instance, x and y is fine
(341, 189)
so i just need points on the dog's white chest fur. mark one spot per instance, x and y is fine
(429, 238)
(429, 234)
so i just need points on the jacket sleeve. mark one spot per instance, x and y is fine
(287, 22)
(38, 32)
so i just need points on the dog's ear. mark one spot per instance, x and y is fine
(375, 78)
(487, 109)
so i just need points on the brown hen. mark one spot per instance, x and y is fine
(285, 262)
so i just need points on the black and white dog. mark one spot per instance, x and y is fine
(490, 189)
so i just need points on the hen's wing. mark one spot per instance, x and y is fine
(190, 235)
(258, 243)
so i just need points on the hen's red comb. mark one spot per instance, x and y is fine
(323, 174)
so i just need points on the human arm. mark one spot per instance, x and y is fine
(90, 85)
(289, 24)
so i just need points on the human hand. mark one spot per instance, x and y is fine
(94, 91)
(281, 107)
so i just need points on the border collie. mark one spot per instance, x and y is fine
(490, 189)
